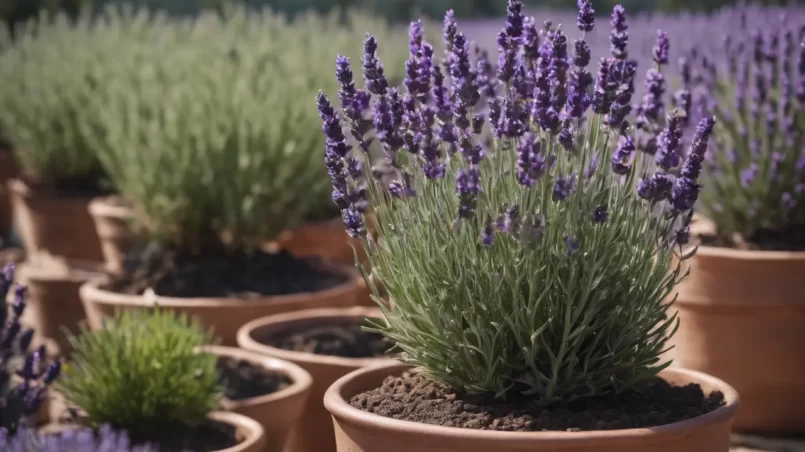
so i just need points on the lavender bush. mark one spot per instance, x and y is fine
(756, 179)
(22, 398)
(525, 242)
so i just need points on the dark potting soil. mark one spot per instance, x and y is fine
(244, 380)
(90, 186)
(414, 398)
(791, 238)
(346, 340)
(219, 274)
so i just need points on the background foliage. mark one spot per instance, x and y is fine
(398, 10)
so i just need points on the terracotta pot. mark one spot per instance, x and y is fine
(315, 431)
(742, 319)
(112, 217)
(224, 315)
(250, 433)
(279, 412)
(327, 239)
(53, 301)
(59, 225)
(360, 431)
(9, 169)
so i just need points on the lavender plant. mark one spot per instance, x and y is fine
(212, 144)
(22, 396)
(756, 180)
(141, 373)
(534, 262)
(105, 439)
(43, 112)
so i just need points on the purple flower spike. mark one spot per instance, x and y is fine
(582, 53)
(531, 162)
(450, 28)
(514, 19)
(600, 214)
(686, 189)
(564, 187)
(660, 51)
(572, 244)
(343, 73)
(415, 37)
(668, 153)
(373, 72)
(530, 39)
(511, 219)
(622, 157)
(588, 173)
(602, 95)
(353, 220)
(488, 234)
(468, 185)
(586, 17)
(441, 97)
(619, 36)
(565, 138)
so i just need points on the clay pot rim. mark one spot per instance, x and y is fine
(301, 380)
(340, 409)
(91, 291)
(288, 320)
(749, 255)
(100, 206)
(78, 271)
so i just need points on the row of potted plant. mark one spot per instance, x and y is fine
(531, 234)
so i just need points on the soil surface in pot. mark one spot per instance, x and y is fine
(412, 397)
(346, 340)
(791, 238)
(209, 436)
(243, 380)
(225, 275)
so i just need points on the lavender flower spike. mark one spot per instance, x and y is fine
(586, 17)
(622, 157)
(686, 189)
(373, 72)
(619, 36)
(668, 155)
(661, 48)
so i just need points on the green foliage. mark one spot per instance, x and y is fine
(205, 124)
(47, 85)
(142, 372)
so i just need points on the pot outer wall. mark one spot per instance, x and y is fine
(54, 303)
(314, 432)
(277, 413)
(58, 225)
(360, 431)
(112, 218)
(9, 169)
(742, 319)
(224, 315)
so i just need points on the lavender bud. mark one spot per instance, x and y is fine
(564, 187)
(488, 234)
(353, 220)
(586, 16)
(660, 51)
(373, 72)
(600, 214)
(619, 36)
(572, 244)
(468, 185)
(622, 157)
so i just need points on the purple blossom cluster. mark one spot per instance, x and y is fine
(540, 104)
(36, 374)
(105, 439)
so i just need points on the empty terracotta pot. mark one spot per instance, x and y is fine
(54, 305)
(361, 431)
(112, 217)
(314, 432)
(279, 412)
(224, 315)
(52, 223)
(742, 319)
(9, 169)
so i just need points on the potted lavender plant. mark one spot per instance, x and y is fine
(742, 310)
(528, 271)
